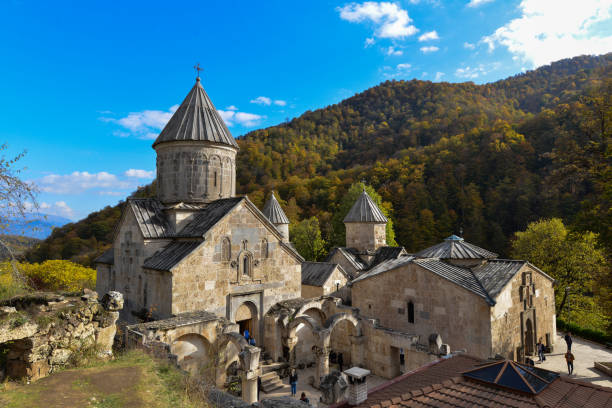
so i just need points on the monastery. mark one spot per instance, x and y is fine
(199, 265)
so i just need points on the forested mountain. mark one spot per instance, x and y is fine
(487, 159)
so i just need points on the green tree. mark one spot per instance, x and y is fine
(339, 231)
(306, 236)
(572, 258)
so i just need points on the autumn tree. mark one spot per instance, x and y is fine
(306, 236)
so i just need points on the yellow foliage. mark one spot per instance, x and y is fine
(52, 275)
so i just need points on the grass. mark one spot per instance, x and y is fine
(133, 380)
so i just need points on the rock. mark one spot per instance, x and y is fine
(112, 301)
(333, 387)
(25, 330)
(60, 356)
(6, 310)
(283, 402)
(89, 296)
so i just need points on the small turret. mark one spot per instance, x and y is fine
(273, 211)
(365, 225)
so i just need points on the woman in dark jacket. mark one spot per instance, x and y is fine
(293, 379)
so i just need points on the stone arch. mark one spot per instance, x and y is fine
(302, 319)
(317, 314)
(194, 353)
(247, 317)
(305, 330)
(312, 304)
(340, 329)
(339, 317)
(245, 265)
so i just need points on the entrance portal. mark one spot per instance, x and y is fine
(246, 317)
(529, 338)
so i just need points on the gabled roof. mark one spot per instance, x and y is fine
(208, 217)
(196, 120)
(385, 266)
(107, 257)
(170, 256)
(365, 210)
(455, 247)
(387, 252)
(350, 255)
(273, 211)
(463, 277)
(496, 273)
(151, 219)
(317, 273)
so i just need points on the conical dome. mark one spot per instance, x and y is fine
(273, 211)
(365, 210)
(196, 120)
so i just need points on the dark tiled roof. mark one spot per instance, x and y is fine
(463, 277)
(496, 273)
(385, 253)
(455, 247)
(196, 120)
(107, 257)
(208, 217)
(385, 266)
(317, 273)
(351, 256)
(514, 376)
(167, 258)
(273, 211)
(572, 393)
(182, 319)
(365, 210)
(150, 217)
(433, 373)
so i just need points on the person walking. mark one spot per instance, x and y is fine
(540, 346)
(568, 341)
(246, 334)
(569, 357)
(293, 379)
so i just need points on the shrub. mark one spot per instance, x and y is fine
(52, 275)
(589, 334)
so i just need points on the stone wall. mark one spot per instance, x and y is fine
(365, 236)
(461, 317)
(195, 172)
(506, 325)
(42, 332)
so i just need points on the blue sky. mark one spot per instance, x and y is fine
(87, 85)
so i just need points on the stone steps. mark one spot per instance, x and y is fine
(270, 382)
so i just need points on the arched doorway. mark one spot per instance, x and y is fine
(306, 337)
(247, 319)
(194, 354)
(529, 344)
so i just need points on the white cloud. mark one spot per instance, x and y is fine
(145, 124)
(58, 208)
(476, 3)
(369, 42)
(262, 100)
(439, 76)
(468, 45)
(403, 67)
(232, 107)
(429, 36)
(549, 30)
(476, 71)
(431, 48)
(242, 118)
(280, 102)
(79, 181)
(142, 174)
(390, 19)
(393, 51)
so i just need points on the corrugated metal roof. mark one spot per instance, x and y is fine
(365, 210)
(208, 217)
(107, 257)
(463, 277)
(496, 273)
(167, 258)
(273, 211)
(455, 247)
(387, 252)
(317, 273)
(196, 120)
(151, 219)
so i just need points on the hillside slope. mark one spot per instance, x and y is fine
(484, 158)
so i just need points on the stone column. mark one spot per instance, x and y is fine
(322, 364)
(291, 342)
(249, 385)
(357, 351)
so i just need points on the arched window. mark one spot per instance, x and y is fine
(245, 264)
(410, 312)
(264, 248)
(226, 249)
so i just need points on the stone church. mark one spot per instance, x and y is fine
(198, 246)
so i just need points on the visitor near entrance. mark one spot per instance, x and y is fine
(293, 379)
